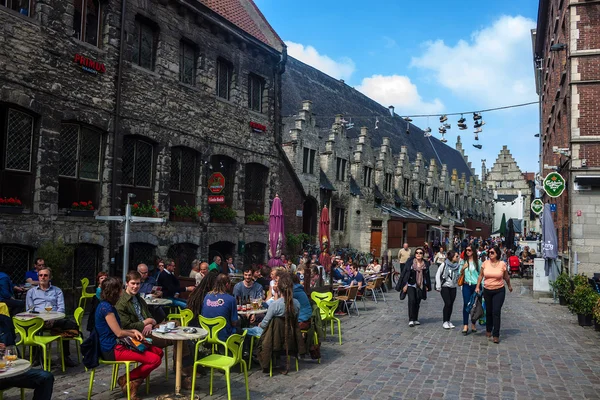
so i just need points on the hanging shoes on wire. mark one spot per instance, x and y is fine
(427, 132)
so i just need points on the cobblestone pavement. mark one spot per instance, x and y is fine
(543, 354)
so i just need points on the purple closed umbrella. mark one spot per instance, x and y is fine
(549, 244)
(275, 233)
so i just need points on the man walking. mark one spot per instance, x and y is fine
(403, 256)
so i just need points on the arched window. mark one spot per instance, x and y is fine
(184, 176)
(16, 154)
(183, 254)
(138, 162)
(87, 20)
(80, 164)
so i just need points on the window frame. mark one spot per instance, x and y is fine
(78, 161)
(388, 182)
(406, 187)
(152, 155)
(223, 63)
(340, 171)
(10, 7)
(435, 195)
(6, 111)
(183, 45)
(83, 23)
(254, 79)
(339, 221)
(141, 23)
(421, 191)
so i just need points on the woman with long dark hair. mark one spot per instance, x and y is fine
(108, 326)
(495, 273)
(219, 303)
(415, 283)
(196, 299)
(445, 282)
(470, 270)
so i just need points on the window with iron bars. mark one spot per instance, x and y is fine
(184, 172)
(145, 39)
(308, 164)
(388, 186)
(405, 186)
(339, 222)
(187, 62)
(435, 195)
(21, 6)
(256, 86)
(183, 254)
(16, 154)
(139, 253)
(16, 261)
(87, 21)
(367, 172)
(421, 191)
(138, 162)
(255, 184)
(340, 173)
(224, 78)
(80, 164)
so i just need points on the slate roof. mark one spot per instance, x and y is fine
(325, 182)
(377, 193)
(354, 188)
(406, 213)
(330, 96)
(246, 16)
(397, 198)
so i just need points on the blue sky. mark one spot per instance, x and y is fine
(427, 58)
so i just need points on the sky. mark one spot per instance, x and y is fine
(429, 57)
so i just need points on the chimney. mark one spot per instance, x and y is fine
(307, 105)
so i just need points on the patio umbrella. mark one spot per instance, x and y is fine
(275, 233)
(549, 244)
(502, 229)
(510, 235)
(324, 257)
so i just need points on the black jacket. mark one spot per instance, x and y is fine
(170, 284)
(426, 277)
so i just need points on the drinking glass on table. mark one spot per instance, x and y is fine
(48, 307)
(10, 355)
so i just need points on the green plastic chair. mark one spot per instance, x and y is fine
(115, 374)
(22, 394)
(216, 361)
(317, 297)
(28, 330)
(328, 308)
(78, 315)
(174, 315)
(85, 282)
(212, 326)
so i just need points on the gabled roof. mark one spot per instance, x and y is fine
(246, 16)
(407, 214)
(354, 188)
(377, 193)
(325, 182)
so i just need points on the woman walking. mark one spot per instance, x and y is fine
(470, 270)
(495, 273)
(415, 283)
(440, 257)
(445, 282)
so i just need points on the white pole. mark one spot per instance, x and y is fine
(126, 239)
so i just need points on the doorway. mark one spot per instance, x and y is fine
(376, 231)
(309, 217)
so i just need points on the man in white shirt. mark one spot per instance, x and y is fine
(403, 256)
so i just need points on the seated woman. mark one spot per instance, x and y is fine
(374, 267)
(218, 303)
(305, 307)
(108, 326)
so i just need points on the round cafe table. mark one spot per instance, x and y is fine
(158, 302)
(253, 312)
(179, 336)
(45, 315)
(19, 367)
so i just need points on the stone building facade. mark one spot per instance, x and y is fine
(567, 62)
(512, 191)
(193, 89)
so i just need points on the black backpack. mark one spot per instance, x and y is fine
(90, 350)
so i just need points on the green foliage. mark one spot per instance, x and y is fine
(147, 209)
(583, 300)
(187, 211)
(222, 212)
(562, 285)
(56, 255)
(255, 217)
(580, 280)
(294, 242)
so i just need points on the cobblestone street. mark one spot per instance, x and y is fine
(543, 354)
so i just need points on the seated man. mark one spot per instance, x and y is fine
(218, 303)
(42, 382)
(32, 276)
(203, 271)
(170, 285)
(147, 282)
(355, 277)
(305, 307)
(7, 295)
(248, 289)
(216, 264)
(45, 294)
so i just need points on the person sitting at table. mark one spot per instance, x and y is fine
(45, 294)
(195, 269)
(203, 271)
(231, 269)
(315, 275)
(42, 382)
(218, 303)
(196, 299)
(7, 295)
(272, 285)
(355, 277)
(216, 264)
(374, 267)
(108, 326)
(248, 288)
(170, 285)
(305, 307)
(264, 274)
(147, 282)
(31, 277)
(99, 279)
(338, 273)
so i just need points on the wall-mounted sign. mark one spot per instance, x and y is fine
(537, 206)
(298, 213)
(554, 184)
(216, 199)
(552, 207)
(89, 65)
(216, 183)
(256, 127)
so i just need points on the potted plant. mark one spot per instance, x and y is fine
(596, 315)
(562, 287)
(255, 219)
(81, 209)
(583, 300)
(186, 213)
(222, 213)
(147, 209)
(11, 205)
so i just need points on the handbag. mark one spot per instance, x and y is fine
(477, 310)
(133, 344)
(461, 279)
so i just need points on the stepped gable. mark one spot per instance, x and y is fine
(331, 96)
(246, 15)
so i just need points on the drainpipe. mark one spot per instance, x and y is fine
(279, 70)
(118, 137)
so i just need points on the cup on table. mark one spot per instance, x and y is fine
(171, 325)
(162, 328)
(2, 363)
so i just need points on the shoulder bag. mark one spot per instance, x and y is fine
(461, 279)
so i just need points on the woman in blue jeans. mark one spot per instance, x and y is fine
(470, 268)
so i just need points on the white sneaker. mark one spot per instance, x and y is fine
(445, 325)
(417, 323)
(450, 325)
(411, 324)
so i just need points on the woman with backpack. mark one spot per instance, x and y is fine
(445, 282)
(470, 272)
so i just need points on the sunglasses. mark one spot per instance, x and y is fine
(43, 275)
(492, 252)
(469, 250)
(418, 252)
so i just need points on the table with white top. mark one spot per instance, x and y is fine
(18, 367)
(253, 312)
(179, 336)
(45, 315)
(158, 302)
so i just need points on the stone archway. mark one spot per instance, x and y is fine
(221, 249)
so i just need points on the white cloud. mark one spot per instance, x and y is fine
(341, 69)
(400, 92)
(494, 67)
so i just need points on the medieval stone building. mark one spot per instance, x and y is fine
(157, 102)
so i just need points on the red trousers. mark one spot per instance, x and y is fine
(149, 360)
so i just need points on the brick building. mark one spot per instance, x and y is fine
(567, 61)
(381, 185)
(96, 103)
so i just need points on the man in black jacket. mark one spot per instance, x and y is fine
(171, 286)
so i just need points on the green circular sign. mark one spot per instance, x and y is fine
(537, 206)
(554, 184)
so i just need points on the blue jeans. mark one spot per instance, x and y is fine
(467, 292)
(40, 381)
(178, 302)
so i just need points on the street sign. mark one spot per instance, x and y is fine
(554, 184)
(537, 206)
(216, 199)
(216, 183)
(552, 207)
